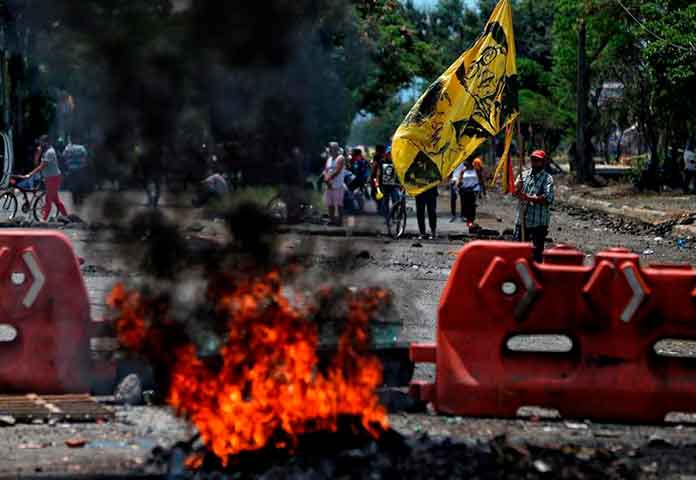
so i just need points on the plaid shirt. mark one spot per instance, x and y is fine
(541, 183)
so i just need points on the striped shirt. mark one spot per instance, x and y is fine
(540, 183)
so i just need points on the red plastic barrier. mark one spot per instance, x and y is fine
(613, 311)
(45, 323)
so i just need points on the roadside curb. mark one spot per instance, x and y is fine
(643, 215)
(485, 234)
(685, 230)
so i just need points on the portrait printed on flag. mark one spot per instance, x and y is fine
(472, 101)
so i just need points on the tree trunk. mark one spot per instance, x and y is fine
(619, 147)
(584, 171)
(606, 138)
(3, 93)
(15, 72)
(654, 146)
(666, 142)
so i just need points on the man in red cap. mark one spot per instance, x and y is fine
(535, 190)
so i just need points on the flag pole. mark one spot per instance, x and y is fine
(523, 208)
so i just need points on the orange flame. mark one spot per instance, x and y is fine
(130, 326)
(268, 388)
(194, 461)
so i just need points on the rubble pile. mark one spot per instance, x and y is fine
(351, 454)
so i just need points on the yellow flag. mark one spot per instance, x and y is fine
(472, 101)
(503, 172)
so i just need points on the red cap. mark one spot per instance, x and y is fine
(539, 154)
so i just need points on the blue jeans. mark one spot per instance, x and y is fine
(27, 184)
(391, 195)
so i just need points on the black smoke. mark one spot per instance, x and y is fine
(251, 80)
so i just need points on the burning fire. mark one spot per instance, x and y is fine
(130, 326)
(267, 387)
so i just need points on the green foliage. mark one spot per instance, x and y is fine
(533, 76)
(533, 21)
(301, 71)
(394, 44)
(655, 64)
(453, 28)
(262, 77)
(540, 110)
(652, 56)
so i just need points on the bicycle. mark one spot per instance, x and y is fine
(398, 213)
(33, 200)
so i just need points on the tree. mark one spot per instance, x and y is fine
(378, 129)
(667, 37)
(533, 31)
(584, 34)
(397, 48)
(649, 49)
(543, 120)
(262, 78)
(27, 108)
(454, 27)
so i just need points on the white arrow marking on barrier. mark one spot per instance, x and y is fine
(526, 276)
(39, 279)
(529, 284)
(638, 294)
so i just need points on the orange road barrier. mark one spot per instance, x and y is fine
(613, 313)
(45, 325)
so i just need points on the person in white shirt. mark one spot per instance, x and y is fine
(334, 175)
(77, 176)
(471, 184)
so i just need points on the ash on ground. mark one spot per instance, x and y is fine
(350, 454)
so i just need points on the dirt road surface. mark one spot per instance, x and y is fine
(415, 270)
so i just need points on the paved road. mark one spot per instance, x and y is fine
(415, 271)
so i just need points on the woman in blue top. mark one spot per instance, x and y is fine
(52, 178)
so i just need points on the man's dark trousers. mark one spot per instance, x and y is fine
(536, 235)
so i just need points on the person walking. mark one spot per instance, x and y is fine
(535, 190)
(427, 201)
(388, 182)
(471, 185)
(52, 178)
(360, 168)
(77, 172)
(454, 192)
(378, 157)
(334, 176)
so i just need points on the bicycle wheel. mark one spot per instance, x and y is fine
(8, 207)
(397, 219)
(277, 208)
(38, 208)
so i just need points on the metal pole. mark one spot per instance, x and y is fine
(523, 207)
